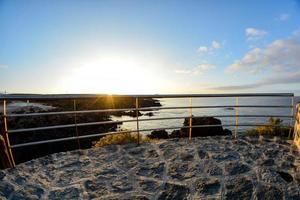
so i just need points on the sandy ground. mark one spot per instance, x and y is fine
(203, 168)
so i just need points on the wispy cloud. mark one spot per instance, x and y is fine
(202, 49)
(209, 49)
(253, 33)
(289, 78)
(283, 17)
(200, 69)
(215, 45)
(2, 66)
(279, 56)
(296, 33)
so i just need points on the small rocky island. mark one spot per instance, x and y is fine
(219, 167)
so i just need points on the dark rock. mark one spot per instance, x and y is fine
(226, 156)
(159, 134)
(267, 192)
(270, 176)
(34, 190)
(172, 191)
(178, 134)
(96, 188)
(132, 113)
(2, 175)
(155, 170)
(204, 131)
(67, 193)
(286, 176)
(149, 186)
(227, 132)
(21, 194)
(268, 162)
(5, 189)
(185, 156)
(182, 170)
(234, 168)
(149, 102)
(208, 186)
(238, 188)
(126, 162)
(203, 154)
(149, 114)
(271, 152)
(122, 197)
(121, 185)
(214, 170)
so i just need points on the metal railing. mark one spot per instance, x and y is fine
(136, 119)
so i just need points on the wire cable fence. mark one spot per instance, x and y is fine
(75, 112)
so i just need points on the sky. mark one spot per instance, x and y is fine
(149, 47)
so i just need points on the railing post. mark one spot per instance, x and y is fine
(236, 117)
(190, 120)
(137, 118)
(292, 113)
(75, 122)
(297, 126)
(6, 137)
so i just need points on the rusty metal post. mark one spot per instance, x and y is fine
(190, 120)
(137, 118)
(6, 137)
(236, 117)
(297, 127)
(292, 114)
(75, 122)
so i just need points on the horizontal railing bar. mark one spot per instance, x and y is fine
(142, 109)
(70, 112)
(129, 131)
(67, 126)
(61, 140)
(133, 120)
(84, 96)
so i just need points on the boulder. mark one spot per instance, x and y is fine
(149, 114)
(201, 131)
(204, 131)
(159, 134)
(178, 134)
(132, 113)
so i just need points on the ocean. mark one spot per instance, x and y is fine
(154, 124)
(213, 111)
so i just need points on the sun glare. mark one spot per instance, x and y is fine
(111, 75)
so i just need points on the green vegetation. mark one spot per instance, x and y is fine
(273, 128)
(121, 138)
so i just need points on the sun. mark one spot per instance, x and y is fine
(112, 75)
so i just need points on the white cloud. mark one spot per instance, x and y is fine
(253, 33)
(200, 69)
(279, 56)
(283, 17)
(204, 49)
(215, 45)
(288, 78)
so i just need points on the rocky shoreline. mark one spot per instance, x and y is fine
(219, 167)
(34, 106)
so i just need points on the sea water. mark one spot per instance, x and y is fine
(220, 101)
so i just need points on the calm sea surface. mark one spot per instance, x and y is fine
(214, 111)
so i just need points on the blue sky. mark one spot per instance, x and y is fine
(149, 46)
